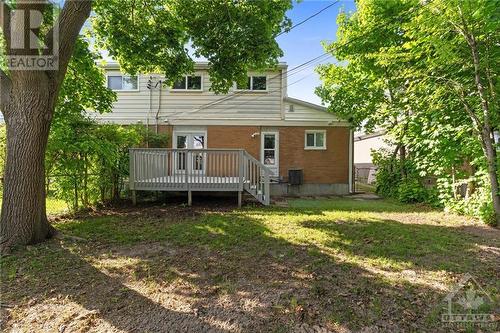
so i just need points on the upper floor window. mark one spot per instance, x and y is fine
(254, 83)
(123, 82)
(315, 140)
(188, 83)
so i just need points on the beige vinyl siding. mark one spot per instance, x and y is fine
(305, 113)
(133, 106)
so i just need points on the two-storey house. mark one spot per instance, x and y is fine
(307, 150)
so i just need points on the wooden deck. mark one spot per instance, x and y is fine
(229, 170)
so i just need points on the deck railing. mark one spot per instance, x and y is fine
(198, 170)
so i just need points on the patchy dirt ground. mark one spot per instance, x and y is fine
(213, 268)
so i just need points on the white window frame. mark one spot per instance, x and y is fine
(306, 147)
(251, 85)
(189, 90)
(276, 167)
(123, 75)
(188, 133)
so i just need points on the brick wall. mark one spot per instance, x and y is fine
(235, 137)
(328, 166)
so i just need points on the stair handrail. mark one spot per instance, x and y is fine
(256, 161)
(266, 175)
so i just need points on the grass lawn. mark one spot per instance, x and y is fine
(53, 206)
(341, 264)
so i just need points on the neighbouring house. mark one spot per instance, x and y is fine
(254, 138)
(364, 144)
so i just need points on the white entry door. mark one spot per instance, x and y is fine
(193, 162)
(269, 154)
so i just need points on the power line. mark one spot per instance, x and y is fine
(411, 11)
(307, 19)
(296, 69)
(246, 101)
(289, 73)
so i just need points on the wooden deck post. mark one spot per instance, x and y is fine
(132, 176)
(134, 198)
(240, 198)
(190, 198)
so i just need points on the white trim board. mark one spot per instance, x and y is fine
(221, 122)
(276, 167)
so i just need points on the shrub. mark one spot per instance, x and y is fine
(412, 191)
(88, 163)
(478, 204)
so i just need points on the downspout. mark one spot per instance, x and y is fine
(150, 87)
(283, 92)
(159, 106)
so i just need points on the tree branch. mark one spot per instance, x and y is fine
(70, 22)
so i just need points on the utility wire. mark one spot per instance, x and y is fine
(413, 10)
(289, 73)
(307, 19)
(307, 64)
(246, 101)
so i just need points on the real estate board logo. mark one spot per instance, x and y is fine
(468, 305)
(30, 45)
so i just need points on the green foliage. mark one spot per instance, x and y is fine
(150, 138)
(151, 35)
(412, 191)
(388, 174)
(86, 163)
(477, 204)
(406, 67)
(401, 180)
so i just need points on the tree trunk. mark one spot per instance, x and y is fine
(486, 132)
(402, 161)
(23, 217)
(27, 100)
(491, 156)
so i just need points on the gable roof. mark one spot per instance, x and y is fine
(304, 103)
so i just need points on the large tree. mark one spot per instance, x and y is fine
(426, 72)
(144, 36)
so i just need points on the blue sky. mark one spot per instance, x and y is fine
(304, 43)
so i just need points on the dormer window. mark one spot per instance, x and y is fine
(254, 83)
(188, 82)
(123, 82)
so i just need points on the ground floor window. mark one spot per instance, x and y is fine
(315, 139)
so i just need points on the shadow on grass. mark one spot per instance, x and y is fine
(356, 205)
(238, 259)
(56, 272)
(415, 246)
